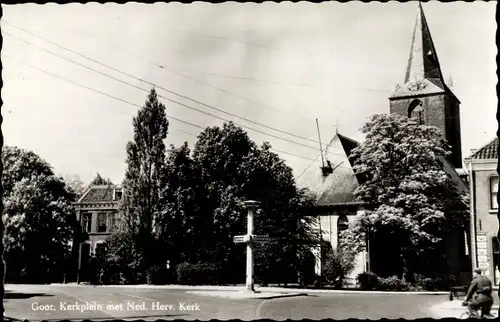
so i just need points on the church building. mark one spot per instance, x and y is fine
(424, 97)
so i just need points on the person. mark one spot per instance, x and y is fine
(479, 295)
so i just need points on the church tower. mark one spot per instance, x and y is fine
(424, 95)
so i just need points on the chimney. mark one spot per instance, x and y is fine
(326, 170)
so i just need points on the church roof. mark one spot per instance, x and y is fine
(488, 151)
(423, 72)
(337, 187)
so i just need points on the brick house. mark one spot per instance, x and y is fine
(424, 97)
(96, 212)
(482, 168)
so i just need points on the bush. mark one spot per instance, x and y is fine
(368, 281)
(434, 283)
(160, 275)
(338, 265)
(198, 274)
(392, 283)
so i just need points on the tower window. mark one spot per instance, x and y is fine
(416, 111)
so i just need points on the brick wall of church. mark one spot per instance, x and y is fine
(441, 111)
(454, 132)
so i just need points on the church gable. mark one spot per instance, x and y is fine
(338, 186)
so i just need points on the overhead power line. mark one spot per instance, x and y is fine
(90, 88)
(169, 99)
(170, 69)
(149, 83)
(127, 102)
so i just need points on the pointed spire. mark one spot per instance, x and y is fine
(423, 62)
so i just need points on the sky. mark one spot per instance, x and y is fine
(274, 67)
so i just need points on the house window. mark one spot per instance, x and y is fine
(416, 111)
(101, 223)
(494, 191)
(111, 221)
(342, 224)
(86, 222)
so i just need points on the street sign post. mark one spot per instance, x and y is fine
(250, 239)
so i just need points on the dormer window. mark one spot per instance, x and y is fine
(416, 111)
(117, 194)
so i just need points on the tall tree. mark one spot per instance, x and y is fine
(39, 219)
(414, 203)
(235, 169)
(220, 153)
(181, 222)
(145, 168)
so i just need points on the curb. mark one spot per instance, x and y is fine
(239, 295)
(263, 289)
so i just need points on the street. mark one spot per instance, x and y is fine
(56, 302)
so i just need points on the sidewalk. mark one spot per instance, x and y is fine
(257, 288)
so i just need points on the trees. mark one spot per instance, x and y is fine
(98, 181)
(235, 169)
(414, 203)
(39, 220)
(76, 185)
(144, 175)
(180, 222)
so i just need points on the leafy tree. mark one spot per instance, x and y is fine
(19, 164)
(235, 169)
(39, 219)
(220, 154)
(413, 202)
(145, 169)
(75, 184)
(122, 259)
(180, 196)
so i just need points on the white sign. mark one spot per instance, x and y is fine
(261, 238)
(240, 239)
